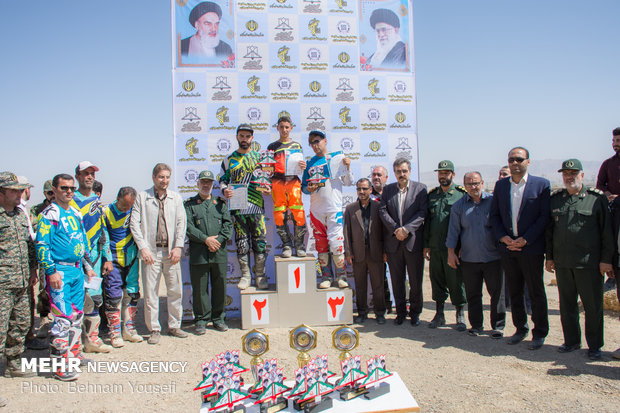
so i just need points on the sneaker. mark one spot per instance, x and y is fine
(261, 283)
(301, 252)
(177, 332)
(244, 283)
(154, 338)
(342, 283)
(287, 252)
(220, 326)
(325, 284)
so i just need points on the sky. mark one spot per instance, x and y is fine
(93, 80)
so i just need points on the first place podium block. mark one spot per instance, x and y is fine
(296, 299)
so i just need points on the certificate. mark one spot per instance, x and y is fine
(239, 199)
(292, 163)
(336, 167)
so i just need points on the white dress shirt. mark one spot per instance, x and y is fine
(516, 197)
(402, 194)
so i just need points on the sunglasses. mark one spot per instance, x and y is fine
(363, 189)
(316, 142)
(516, 159)
(65, 188)
(50, 193)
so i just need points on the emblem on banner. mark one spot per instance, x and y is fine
(251, 25)
(254, 114)
(314, 54)
(346, 144)
(191, 177)
(346, 91)
(285, 31)
(313, 26)
(312, 6)
(344, 57)
(228, 300)
(222, 115)
(188, 85)
(316, 118)
(192, 149)
(374, 146)
(400, 86)
(373, 115)
(283, 54)
(222, 89)
(255, 146)
(403, 143)
(346, 200)
(315, 86)
(252, 57)
(284, 83)
(223, 145)
(284, 114)
(373, 86)
(253, 84)
(343, 27)
(193, 120)
(400, 119)
(343, 114)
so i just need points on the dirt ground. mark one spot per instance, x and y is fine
(445, 370)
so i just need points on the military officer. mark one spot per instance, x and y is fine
(18, 266)
(209, 227)
(579, 249)
(444, 279)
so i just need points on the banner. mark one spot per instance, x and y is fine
(344, 67)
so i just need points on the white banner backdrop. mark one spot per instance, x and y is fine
(341, 66)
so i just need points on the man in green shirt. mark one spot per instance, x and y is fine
(209, 227)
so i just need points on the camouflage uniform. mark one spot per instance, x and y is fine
(17, 260)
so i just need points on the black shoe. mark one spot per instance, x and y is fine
(415, 320)
(36, 344)
(516, 338)
(536, 343)
(595, 354)
(497, 334)
(567, 349)
(380, 319)
(359, 319)
(438, 320)
(220, 326)
(474, 332)
(399, 319)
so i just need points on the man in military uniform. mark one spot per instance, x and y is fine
(209, 227)
(579, 249)
(18, 266)
(444, 279)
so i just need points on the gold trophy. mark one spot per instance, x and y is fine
(255, 343)
(303, 339)
(345, 339)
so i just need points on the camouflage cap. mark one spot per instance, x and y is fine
(206, 175)
(445, 165)
(47, 186)
(571, 165)
(9, 180)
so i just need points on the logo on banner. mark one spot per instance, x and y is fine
(373, 115)
(284, 84)
(228, 300)
(259, 309)
(347, 144)
(255, 146)
(344, 61)
(317, 121)
(223, 145)
(222, 115)
(373, 86)
(254, 88)
(284, 58)
(346, 91)
(400, 92)
(314, 88)
(251, 30)
(346, 200)
(344, 33)
(312, 6)
(404, 147)
(314, 54)
(342, 4)
(222, 89)
(335, 306)
(191, 177)
(254, 114)
(296, 279)
(252, 57)
(192, 149)
(188, 86)
(400, 86)
(374, 147)
(283, 113)
(345, 119)
(193, 120)
(400, 119)
(315, 31)
(343, 27)
(285, 31)
(281, 4)
(251, 25)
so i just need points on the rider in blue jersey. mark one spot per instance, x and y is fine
(87, 202)
(61, 245)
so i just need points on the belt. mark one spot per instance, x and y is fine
(160, 245)
(70, 264)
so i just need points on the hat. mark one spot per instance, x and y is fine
(206, 175)
(203, 8)
(571, 165)
(85, 165)
(246, 127)
(445, 165)
(9, 180)
(317, 133)
(384, 16)
(24, 181)
(47, 186)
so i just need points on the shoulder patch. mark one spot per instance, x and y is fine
(434, 189)
(460, 188)
(596, 191)
(557, 191)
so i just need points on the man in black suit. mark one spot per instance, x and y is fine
(519, 216)
(363, 245)
(402, 209)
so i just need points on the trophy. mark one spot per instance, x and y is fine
(270, 389)
(303, 339)
(372, 382)
(345, 339)
(311, 386)
(317, 176)
(222, 381)
(255, 343)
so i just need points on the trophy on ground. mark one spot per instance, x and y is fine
(302, 339)
(311, 386)
(270, 388)
(255, 343)
(373, 381)
(221, 383)
(345, 339)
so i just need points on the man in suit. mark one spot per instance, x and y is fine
(519, 216)
(402, 209)
(363, 245)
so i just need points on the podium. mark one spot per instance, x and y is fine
(295, 299)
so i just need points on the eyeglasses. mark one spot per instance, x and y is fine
(384, 30)
(516, 159)
(316, 142)
(472, 184)
(65, 188)
(363, 189)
